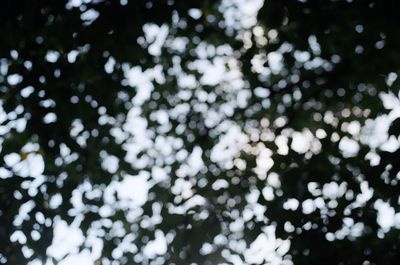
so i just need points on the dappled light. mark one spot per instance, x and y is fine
(205, 132)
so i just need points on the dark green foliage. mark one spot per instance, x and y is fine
(305, 70)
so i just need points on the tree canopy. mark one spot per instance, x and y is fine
(258, 132)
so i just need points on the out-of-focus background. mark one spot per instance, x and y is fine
(199, 132)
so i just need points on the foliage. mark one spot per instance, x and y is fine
(245, 129)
